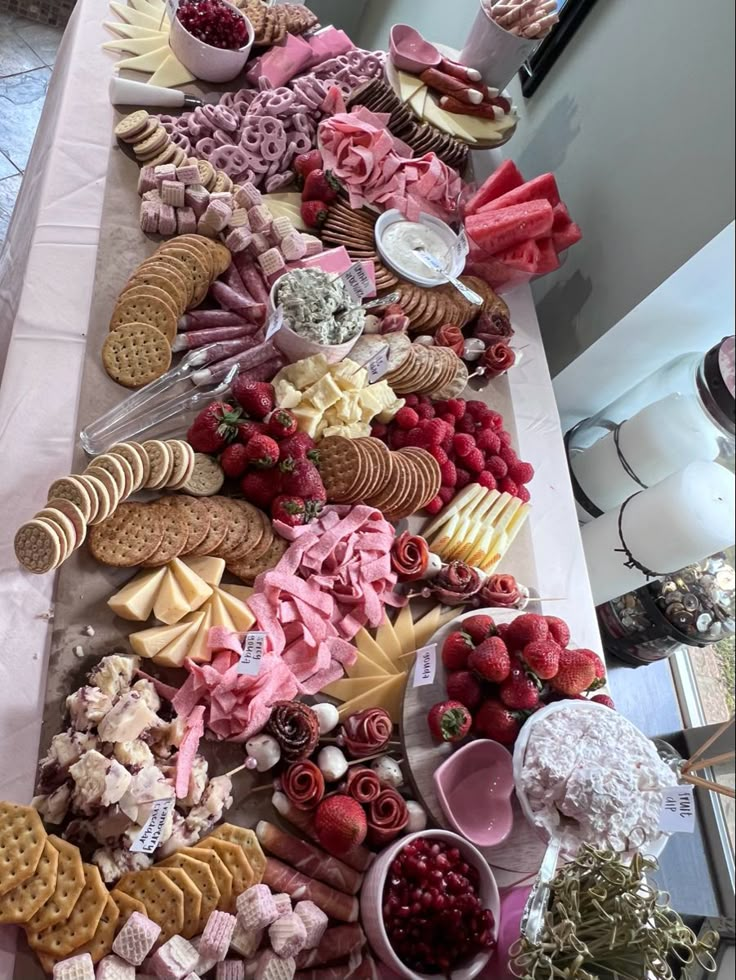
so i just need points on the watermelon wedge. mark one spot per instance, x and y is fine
(541, 188)
(495, 231)
(566, 237)
(524, 257)
(548, 260)
(505, 178)
(561, 217)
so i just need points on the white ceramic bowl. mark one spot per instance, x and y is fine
(371, 905)
(295, 347)
(442, 229)
(209, 63)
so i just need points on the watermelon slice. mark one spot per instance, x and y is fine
(541, 188)
(495, 231)
(567, 236)
(548, 260)
(498, 276)
(561, 217)
(524, 257)
(502, 180)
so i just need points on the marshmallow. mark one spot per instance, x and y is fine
(288, 935)
(283, 903)
(314, 921)
(113, 968)
(256, 907)
(273, 967)
(175, 960)
(75, 968)
(230, 970)
(136, 939)
(245, 941)
(215, 941)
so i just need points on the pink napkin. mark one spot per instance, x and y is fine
(329, 43)
(282, 62)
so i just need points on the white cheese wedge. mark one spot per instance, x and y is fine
(408, 85)
(505, 536)
(220, 615)
(428, 625)
(363, 667)
(404, 629)
(135, 45)
(135, 600)
(170, 74)
(387, 695)
(348, 688)
(192, 585)
(368, 646)
(147, 643)
(179, 649)
(485, 513)
(455, 506)
(198, 650)
(132, 16)
(171, 603)
(208, 568)
(151, 61)
(238, 611)
(418, 100)
(135, 30)
(242, 592)
(154, 8)
(388, 641)
(469, 525)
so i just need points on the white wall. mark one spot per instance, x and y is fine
(636, 119)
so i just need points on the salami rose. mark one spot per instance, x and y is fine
(497, 359)
(295, 727)
(387, 817)
(500, 590)
(304, 784)
(366, 732)
(450, 335)
(409, 556)
(395, 323)
(363, 784)
(456, 583)
(495, 324)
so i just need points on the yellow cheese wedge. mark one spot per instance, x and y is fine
(220, 615)
(171, 604)
(404, 629)
(150, 62)
(481, 544)
(348, 688)
(154, 8)
(208, 568)
(482, 130)
(428, 625)
(179, 649)
(239, 613)
(408, 85)
(135, 600)
(368, 646)
(388, 641)
(135, 30)
(170, 74)
(387, 696)
(504, 537)
(454, 507)
(132, 16)
(147, 643)
(363, 667)
(471, 522)
(242, 592)
(475, 540)
(136, 45)
(194, 588)
(198, 650)
(418, 100)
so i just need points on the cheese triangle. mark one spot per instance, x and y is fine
(171, 604)
(363, 667)
(220, 615)
(134, 30)
(408, 85)
(242, 592)
(194, 588)
(351, 687)
(418, 100)
(154, 8)
(134, 45)
(404, 629)
(387, 695)
(368, 646)
(149, 62)
(179, 649)
(428, 625)
(132, 16)
(460, 501)
(208, 568)
(238, 611)
(388, 641)
(198, 650)
(147, 643)
(135, 600)
(170, 73)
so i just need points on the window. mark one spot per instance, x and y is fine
(572, 14)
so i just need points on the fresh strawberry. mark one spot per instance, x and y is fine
(542, 657)
(494, 720)
(474, 461)
(576, 672)
(214, 427)
(598, 666)
(262, 451)
(478, 627)
(340, 824)
(289, 510)
(320, 185)
(304, 481)
(256, 398)
(259, 487)
(234, 460)
(604, 699)
(314, 213)
(281, 423)
(526, 629)
(558, 630)
(406, 418)
(298, 446)
(305, 163)
(464, 687)
(449, 721)
(519, 690)
(456, 649)
(490, 660)
(250, 428)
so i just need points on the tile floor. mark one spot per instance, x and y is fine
(27, 54)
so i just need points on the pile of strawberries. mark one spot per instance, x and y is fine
(258, 444)
(500, 673)
(468, 440)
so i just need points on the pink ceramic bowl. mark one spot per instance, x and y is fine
(371, 905)
(474, 787)
(410, 52)
(204, 61)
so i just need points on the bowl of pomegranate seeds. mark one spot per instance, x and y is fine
(212, 38)
(430, 907)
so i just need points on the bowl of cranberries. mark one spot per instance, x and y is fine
(212, 38)
(430, 907)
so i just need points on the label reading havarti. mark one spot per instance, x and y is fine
(148, 839)
(377, 366)
(425, 666)
(357, 281)
(254, 643)
(275, 321)
(677, 815)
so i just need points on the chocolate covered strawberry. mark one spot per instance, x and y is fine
(214, 427)
(449, 721)
(340, 824)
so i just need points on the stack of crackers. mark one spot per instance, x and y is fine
(144, 322)
(74, 502)
(398, 482)
(422, 137)
(435, 371)
(355, 231)
(272, 23)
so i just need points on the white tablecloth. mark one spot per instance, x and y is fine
(46, 283)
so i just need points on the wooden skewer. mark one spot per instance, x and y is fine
(707, 784)
(712, 761)
(706, 745)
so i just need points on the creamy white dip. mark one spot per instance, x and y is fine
(400, 239)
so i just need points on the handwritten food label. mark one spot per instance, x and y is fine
(357, 281)
(425, 666)
(378, 364)
(254, 643)
(275, 321)
(148, 839)
(678, 810)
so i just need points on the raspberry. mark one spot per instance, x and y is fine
(508, 455)
(456, 406)
(425, 411)
(406, 418)
(505, 437)
(463, 444)
(521, 472)
(465, 424)
(399, 439)
(379, 431)
(440, 406)
(448, 473)
(497, 466)
(446, 494)
(507, 485)
(474, 461)
(484, 418)
(488, 441)
(440, 455)
(523, 494)
(496, 420)
(446, 443)
(411, 400)
(413, 437)
(435, 505)
(434, 430)
(449, 418)
(486, 480)
(475, 407)
(463, 478)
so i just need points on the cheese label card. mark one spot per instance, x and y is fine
(425, 666)
(458, 250)
(148, 839)
(357, 281)
(377, 365)
(677, 815)
(275, 321)
(254, 643)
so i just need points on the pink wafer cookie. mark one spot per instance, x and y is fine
(113, 968)
(283, 903)
(188, 174)
(273, 967)
(75, 968)
(197, 198)
(186, 221)
(136, 939)
(272, 262)
(217, 215)
(149, 217)
(293, 247)
(238, 239)
(230, 970)
(146, 180)
(288, 935)
(245, 941)
(175, 959)
(172, 192)
(281, 227)
(250, 196)
(313, 245)
(256, 907)
(153, 195)
(314, 921)
(259, 243)
(260, 218)
(167, 220)
(164, 171)
(215, 941)
(239, 218)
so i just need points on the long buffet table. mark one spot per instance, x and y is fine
(47, 272)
